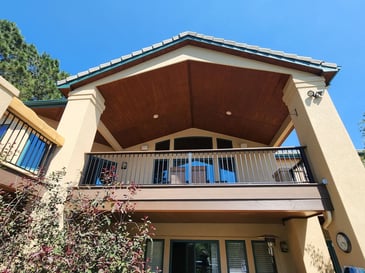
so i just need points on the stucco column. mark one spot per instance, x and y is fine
(333, 160)
(78, 126)
(307, 245)
(8, 91)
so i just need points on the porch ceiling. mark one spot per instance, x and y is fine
(194, 94)
(267, 217)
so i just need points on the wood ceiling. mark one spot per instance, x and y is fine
(268, 217)
(195, 94)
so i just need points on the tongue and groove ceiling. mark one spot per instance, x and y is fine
(194, 94)
(197, 94)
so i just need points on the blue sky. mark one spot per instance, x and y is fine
(83, 34)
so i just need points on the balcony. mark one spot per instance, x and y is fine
(24, 150)
(198, 167)
(226, 185)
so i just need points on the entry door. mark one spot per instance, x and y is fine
(194, 257)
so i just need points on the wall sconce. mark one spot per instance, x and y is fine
(284, 246)
(315, 94)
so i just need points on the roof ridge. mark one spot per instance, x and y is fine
(253, 49)
(258, 48)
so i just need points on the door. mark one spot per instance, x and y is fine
(194, 257)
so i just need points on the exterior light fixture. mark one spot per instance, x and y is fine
(155, 116)
(315, 94)
(284, 246)
(228, 113)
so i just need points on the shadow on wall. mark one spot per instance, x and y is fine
(322, 264)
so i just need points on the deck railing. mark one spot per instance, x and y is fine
(22, 147)
(248, 166)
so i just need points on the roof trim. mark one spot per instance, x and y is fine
(274, 55)
(46, 103)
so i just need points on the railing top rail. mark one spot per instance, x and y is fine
(202, 150)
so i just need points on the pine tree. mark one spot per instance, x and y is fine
(34, 74)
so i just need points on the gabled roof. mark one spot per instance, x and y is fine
(194, 92)
(319, 67)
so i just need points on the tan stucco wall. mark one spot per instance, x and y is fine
(7, 93)
(333, 159)
(236, 142)
(78, 125)
(150, 145)
(306, 237)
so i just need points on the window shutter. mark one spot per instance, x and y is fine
(264, 263)
(236, 257)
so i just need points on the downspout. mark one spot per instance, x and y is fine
(327, 222)
(327, 219)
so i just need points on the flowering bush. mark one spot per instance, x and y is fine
(48, 229)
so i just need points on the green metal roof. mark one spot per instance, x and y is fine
(193, 36)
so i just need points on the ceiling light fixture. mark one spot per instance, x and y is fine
(155, 116)
(228, 113)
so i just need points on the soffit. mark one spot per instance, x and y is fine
(267, 217)
(194, 94)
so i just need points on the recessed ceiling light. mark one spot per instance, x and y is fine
(228, 113)
(155, 116)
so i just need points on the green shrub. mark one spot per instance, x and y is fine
(46, 228)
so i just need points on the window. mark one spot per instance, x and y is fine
(264, 262)
(236, 257)
(154, 255)
(224, 143)
(162, 145)
(193, 143)
(32, 153)
(194, 256)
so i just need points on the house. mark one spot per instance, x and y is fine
(198, 122)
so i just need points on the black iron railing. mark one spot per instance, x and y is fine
(247, 166)
(23, 147)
